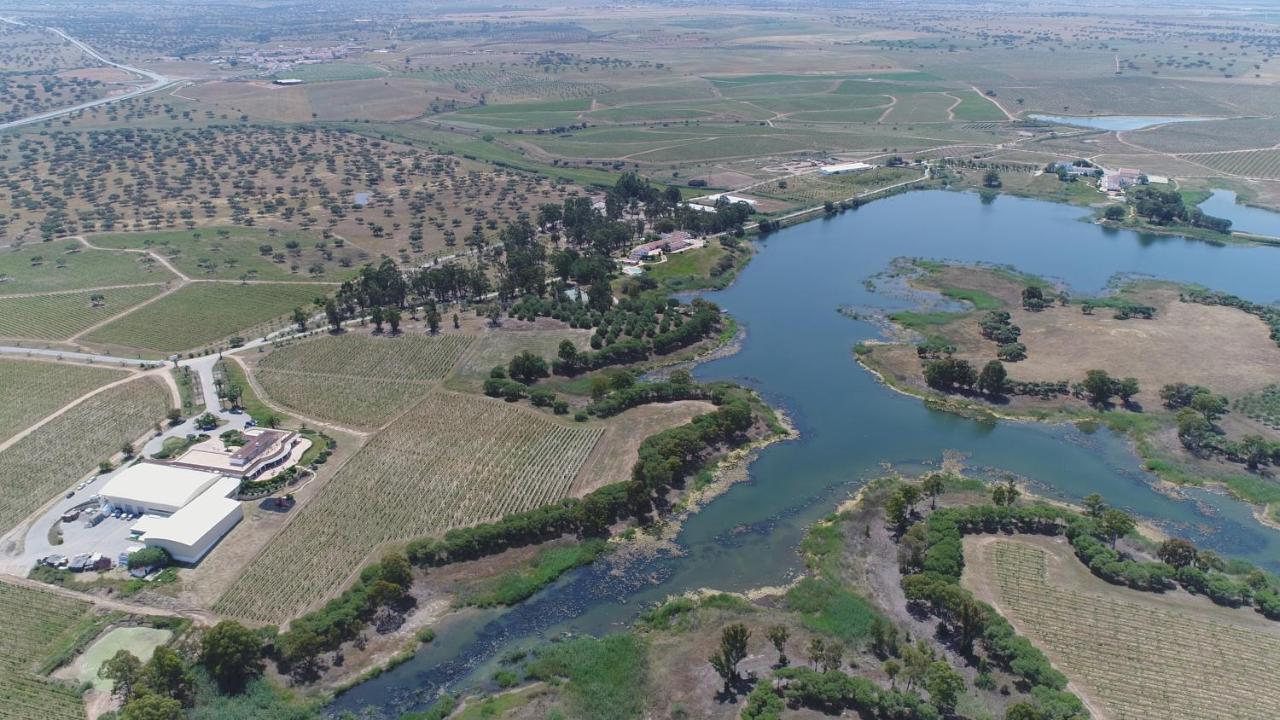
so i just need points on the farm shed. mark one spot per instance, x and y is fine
(190, 533)
(156, 488)
(845, 168)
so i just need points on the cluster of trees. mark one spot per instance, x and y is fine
(165, 686)
(379, 595)
(1198, 413)
(1163, 207)
(998, 327)
(932, 559)
(949, 373)
(1033, 299)
(678, 387)
(1101, 387)
(629, 332)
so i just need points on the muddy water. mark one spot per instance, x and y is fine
(797, 352)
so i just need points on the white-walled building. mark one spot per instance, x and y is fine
(845, 168)
(185, 511)
(153, 488)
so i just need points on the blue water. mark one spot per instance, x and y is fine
(1115, 122)
(1243, 218)
(798, 353)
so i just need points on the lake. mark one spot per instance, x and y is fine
(1115, 122)
(1243, 218)
(798, 353)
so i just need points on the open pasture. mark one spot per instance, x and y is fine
(236, 253)
(31, 389)
(34, 625)
(51, 459)
(357, 379)
(42, 268)
(60, 316)
(203, 313)
(453, 460)
(1139, 656)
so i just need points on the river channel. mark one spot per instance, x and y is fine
(798, 353)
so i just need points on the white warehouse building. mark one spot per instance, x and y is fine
(185, 511)
(845, 168)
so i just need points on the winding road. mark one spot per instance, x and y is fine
(158, 81)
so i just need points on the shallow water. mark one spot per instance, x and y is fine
(797, 352)
(1243, 217)
(1115, 122)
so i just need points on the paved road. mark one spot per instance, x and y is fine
(158, 82)
(83, 357)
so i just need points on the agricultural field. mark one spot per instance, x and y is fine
(1263, 406)
(60, 316)
(355, 379)
(1139, 656)
(1263, 164)
(44, 463)
(815, 189)
(31, 389)
(42, 269)
(429, 471)
(203, 313)
(33, 626)
(235, 253)
(333, 72)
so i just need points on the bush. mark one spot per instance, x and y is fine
(153, 557)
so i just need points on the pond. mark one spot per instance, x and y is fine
(798, 353)
(1115, 122)
(1243, 218)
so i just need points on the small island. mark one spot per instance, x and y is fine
(1187, 372)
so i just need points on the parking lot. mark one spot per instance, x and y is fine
(109, 537)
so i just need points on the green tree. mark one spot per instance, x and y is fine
(933, 486)
(1116, 213)
(733, 650)
(993, 377)
(332, 314)
(433, 319)
(376, 315)
(527, 367)
(152, 707)
(910, 496)
(232, 653)
(392, 316)
(1115, 524)
(1211, 407)
(1177, 552)
(1094, 505)
(892, 668)
(778, 635)
(991, 179)
(1025, 711)
(1126, 389)
(124, 670)
(300, 319)
(1100, 387)
(167, 675)
(1255, 450)
(944, 686)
